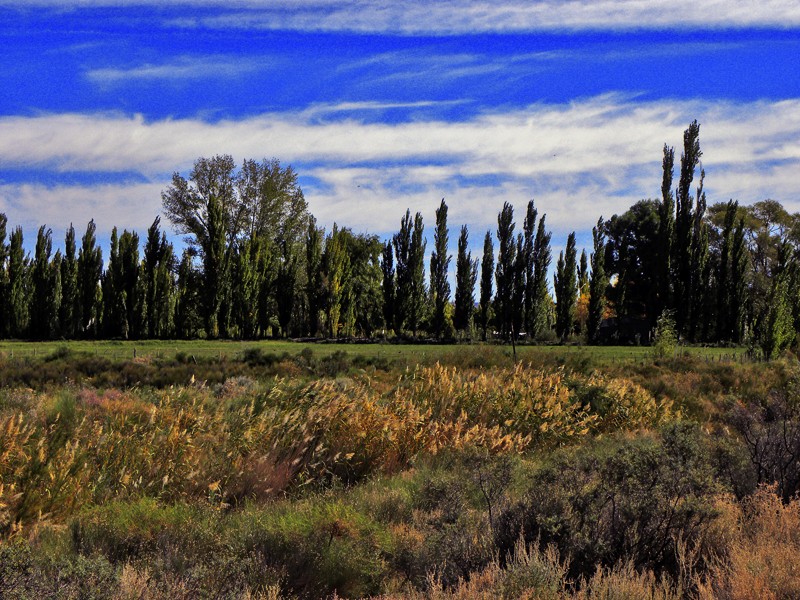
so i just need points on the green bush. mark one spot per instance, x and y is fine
(619, 499)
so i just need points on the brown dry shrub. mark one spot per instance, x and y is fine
(762, 560)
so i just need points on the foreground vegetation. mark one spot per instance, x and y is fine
(312, 474)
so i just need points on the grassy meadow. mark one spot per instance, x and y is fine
(288, 470)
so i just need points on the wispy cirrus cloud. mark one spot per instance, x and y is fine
(418, 17)
(578, 160)
(181, 68)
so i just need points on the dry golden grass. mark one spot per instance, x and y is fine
(74, 447)
(761, 559)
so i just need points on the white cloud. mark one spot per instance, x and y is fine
(127, 206)
(413, 17)
(182, 68)
(419, 17)
(578, 160)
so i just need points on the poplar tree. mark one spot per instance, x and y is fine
(69, 309)
(314, 285)
(388, 287)
(285, 285)
(188, 317)
(18, 294)
(487, 272)
(779, 327)
(4, 300)
(529, 230)
(684, 227)
(724, 329)
(337, 264)
(43, 283)
(466, 277)
(440, 262)
(700, 281)
(666, 233)
(417, 307)
(115, 317)
(90, 268)
(246, 288)
(505, 270)
(566, 289)
(597, 283)
(402, 250)
(541, 296)
(583, 274)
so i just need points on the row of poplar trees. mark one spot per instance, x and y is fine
(257, 265)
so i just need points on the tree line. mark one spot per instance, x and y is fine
(257, 265)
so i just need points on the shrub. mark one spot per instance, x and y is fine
(613, 501)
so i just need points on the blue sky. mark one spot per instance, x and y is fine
(383, 105)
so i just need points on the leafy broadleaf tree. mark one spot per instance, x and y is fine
(487, 273)
(188, 318)
(205, 208)
(440, 262)
(466, 277)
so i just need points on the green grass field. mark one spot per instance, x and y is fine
(396, 353)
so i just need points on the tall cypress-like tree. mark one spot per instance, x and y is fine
(286, 285)
(402, 250)
(43, 283)
(778, 330)
(505, 270)
(529, 230)
(666, 233)
(724, 329)
(440, 262)
(583, 274)
(416, 262)
(684, 227)
(487, 273)
(188, 309)
(114, 314)
(18, 294)
(566, 288)
(597, 283)
(4, 300)
(740, 263)
(466, 277)
(541, 295)
(700, 308)
(337, 267)
(90, 268)
(246, 283)
(314, 284)
(69, 309)
(129, 282)
(518, 291)
(388, 286)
